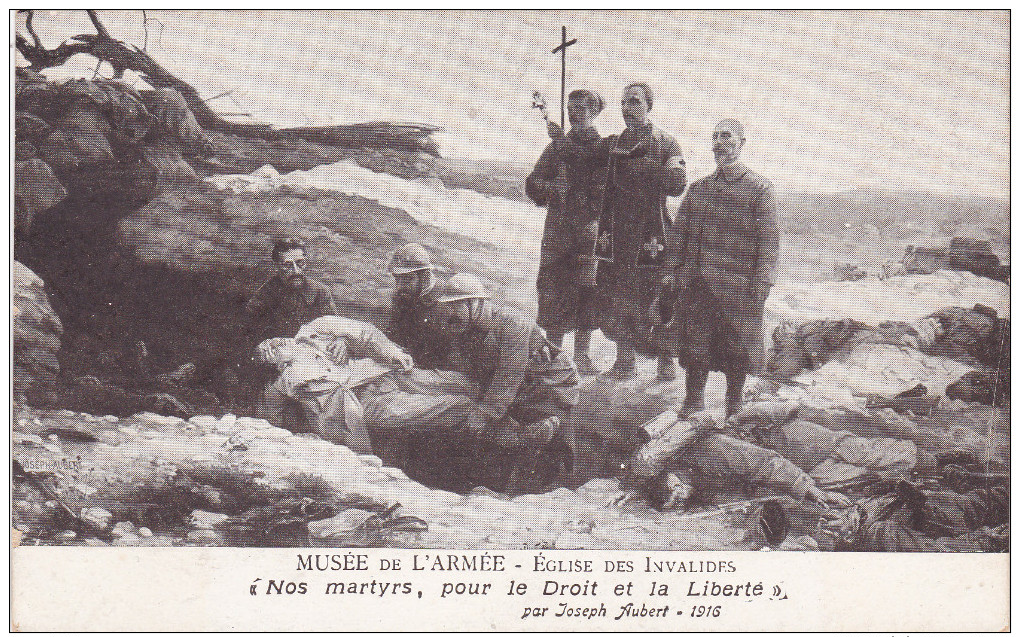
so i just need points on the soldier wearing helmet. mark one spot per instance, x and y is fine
(414, 294)
(525, 390)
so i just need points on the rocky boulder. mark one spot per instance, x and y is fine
(37, 331)
(36, 189)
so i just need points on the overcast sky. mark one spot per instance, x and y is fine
(830, 100)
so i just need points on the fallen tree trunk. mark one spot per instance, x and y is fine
(122, 57)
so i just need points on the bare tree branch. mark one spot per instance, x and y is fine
(410, 137)
(40, 58)
(29, 14)
(100, 29)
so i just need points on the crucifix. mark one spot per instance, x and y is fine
(562, 50)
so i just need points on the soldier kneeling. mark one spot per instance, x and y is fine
(525, 389)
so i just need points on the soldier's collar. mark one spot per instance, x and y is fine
(731, 172)
(427, 290)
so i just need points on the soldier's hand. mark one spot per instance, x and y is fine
(590, 231)
(827, 498)
(555, 130)
(403, 361)
(836, 499)
(539, 346)
(667, 283)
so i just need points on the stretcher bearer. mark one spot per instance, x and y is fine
(415, 294)
(525, 389)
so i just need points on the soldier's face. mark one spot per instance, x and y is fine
(634, 106)
(410, 285)
(291, 267)
(726, 144)
(453, 319)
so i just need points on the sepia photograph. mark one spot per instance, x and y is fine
(511, 280)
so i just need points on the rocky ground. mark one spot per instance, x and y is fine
(153, 480)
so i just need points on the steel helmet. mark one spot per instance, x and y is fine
(462, 286)
(410, 258)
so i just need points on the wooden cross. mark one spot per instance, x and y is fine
(562, 50)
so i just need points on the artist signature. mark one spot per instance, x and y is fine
(52, 464)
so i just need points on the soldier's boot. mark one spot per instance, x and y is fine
(525, 476)
(734, 392)
(694, 401)
(667, 369)
(582, 343)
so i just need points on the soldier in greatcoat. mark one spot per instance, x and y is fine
(720, 266)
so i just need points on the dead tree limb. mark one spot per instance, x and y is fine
(31, 30)
(122, 57)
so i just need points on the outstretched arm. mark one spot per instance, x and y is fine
(363, 339)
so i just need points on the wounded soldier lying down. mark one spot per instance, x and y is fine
(711, 467)
(831, 458)
(345, 381)
(319, 371)
(776, 448)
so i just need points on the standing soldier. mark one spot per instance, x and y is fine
(573, 193)
(720, 269)
(634, 225)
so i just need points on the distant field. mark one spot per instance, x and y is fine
(862, 227)
(867, 227)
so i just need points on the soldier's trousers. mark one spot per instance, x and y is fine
(326, 408)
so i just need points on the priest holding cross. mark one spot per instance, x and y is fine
(628, 230)
(572, 194)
